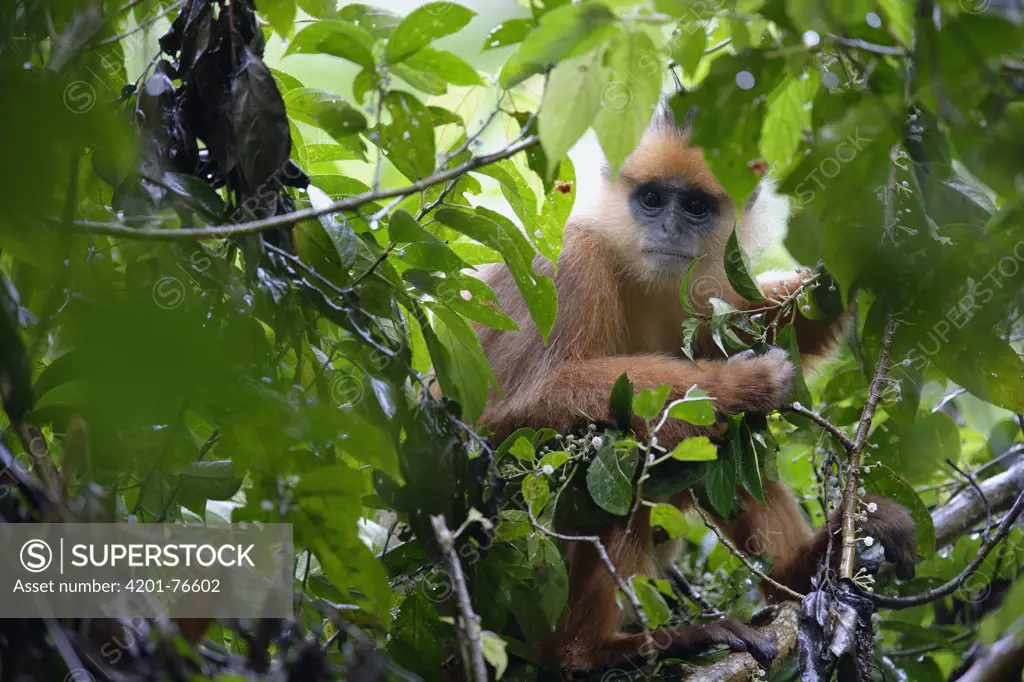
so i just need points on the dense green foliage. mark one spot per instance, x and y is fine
(282, 372)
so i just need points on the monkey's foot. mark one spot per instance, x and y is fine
(890, 525)
(739, 636)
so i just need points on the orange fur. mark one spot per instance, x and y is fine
(615, 316)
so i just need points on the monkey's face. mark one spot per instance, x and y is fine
(664, 209)
(675, 218)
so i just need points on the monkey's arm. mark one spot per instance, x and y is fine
(778, 529)
(582, 387)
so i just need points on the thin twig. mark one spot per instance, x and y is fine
(849, 546)
(954, 584)
(264, 224)
(141, 27)
(690, 592)
(981, 494)
(740, 555)
(472, 638)
(857, 44)
(821, 421)
(602, 553)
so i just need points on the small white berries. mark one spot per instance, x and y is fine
(872, 507)
(597, 441)
(869, 541)
(548, 469)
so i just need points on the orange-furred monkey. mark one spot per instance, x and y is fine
(618, 280)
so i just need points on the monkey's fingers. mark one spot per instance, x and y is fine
(739, 636)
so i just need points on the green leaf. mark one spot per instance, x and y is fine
(501, 235)
(536, 493)
(551, 580)
(670, 518)
(649, 401)
(197, 193)
(416, 638)
(982, 363)
(508, 32)
(916, 452)
(684, 294)
(899, 18)
(342, 235)
(336, 38)
(564, 32)
(466, 295)
(321, 9)
(423, 26)
(787, 116)
(786, 338)
(651, 600)
(448, 66)
(620, 404)
(469, 370)
(748, 468)
(720, 486)
(213, 480)
(885, 482)
(738, 271)
(628, 101)
(571, 102)
(280, 14)
(688, 50)
(522, 449)
(408, 140)
(553, 459)
(695, 407)
(609, 479)
(493, 648)
(544, 227)
(325, 110)
(695, 449)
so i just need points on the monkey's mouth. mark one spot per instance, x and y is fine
(667, 252)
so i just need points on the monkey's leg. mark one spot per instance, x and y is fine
(588, 636)
(778, 529)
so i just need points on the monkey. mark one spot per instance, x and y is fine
(618, 279)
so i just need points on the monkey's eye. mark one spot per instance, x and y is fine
(651, 199)
(696, 206)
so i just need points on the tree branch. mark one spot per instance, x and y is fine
(849, 554)
(1002, 661)
(821, 421)
(472, 639)
(954, 584)
(262, 225)
(951, 520)
(967, 509)
(739, 667)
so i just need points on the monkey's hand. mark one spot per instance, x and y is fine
(757, 383)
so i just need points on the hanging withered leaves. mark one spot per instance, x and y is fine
(196, 37)
(835, 632)
(262, 139)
